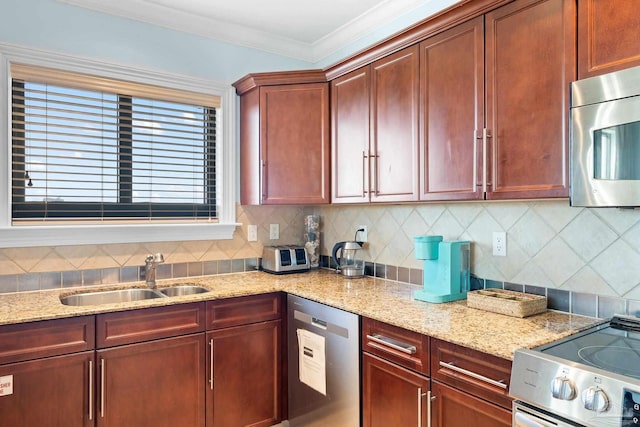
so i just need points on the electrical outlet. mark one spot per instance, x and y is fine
(499, 243)
(252, 233)
(274, 231)
(363, 234)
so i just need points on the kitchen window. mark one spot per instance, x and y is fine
(114, 157)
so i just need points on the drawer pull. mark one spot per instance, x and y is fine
(393, 343)
(453, 367)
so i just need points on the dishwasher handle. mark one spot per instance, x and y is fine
(320, 324)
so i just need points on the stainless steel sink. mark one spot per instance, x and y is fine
(110, 297)
(179, 290)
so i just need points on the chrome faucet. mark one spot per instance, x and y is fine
(150, 264)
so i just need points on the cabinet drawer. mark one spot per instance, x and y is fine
(243, 310)
(128, 327)
(477, 373)
(406, 348)
(46, 338)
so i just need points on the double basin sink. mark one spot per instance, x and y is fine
(129, 295)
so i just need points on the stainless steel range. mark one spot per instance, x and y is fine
(588, 379)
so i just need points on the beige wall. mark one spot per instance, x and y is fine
(548, 243)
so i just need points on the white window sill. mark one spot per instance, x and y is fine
(22, 237)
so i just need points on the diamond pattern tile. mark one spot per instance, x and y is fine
(588, 235)
(531, 233)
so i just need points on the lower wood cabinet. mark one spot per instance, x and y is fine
(156, 383)
(47, 373)
(245, 367)
(451, 407)
(395, 382)
(392, 395)
(245, 385)
(410, 379)
(54, 392)
(156, 367)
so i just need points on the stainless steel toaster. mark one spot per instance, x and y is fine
(285, 259)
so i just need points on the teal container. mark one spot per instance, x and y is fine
(426, 247)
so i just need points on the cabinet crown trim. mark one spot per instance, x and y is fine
(254, 80)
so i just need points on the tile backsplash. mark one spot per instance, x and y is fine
(549, 243)
(550, 246)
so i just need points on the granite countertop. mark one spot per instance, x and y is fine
(379, 299)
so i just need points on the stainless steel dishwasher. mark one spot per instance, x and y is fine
(324, 365)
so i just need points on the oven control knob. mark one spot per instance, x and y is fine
(562, 388)
(595, 399)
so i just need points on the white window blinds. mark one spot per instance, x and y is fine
(88, 148)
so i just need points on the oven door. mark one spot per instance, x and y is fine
(528, 416)
(605, 154)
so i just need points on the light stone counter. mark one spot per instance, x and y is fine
(383, 300)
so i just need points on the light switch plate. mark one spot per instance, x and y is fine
(274, 231)
(252, 233)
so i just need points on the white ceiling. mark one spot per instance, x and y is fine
(304, 29)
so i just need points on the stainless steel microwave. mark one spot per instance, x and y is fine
(605, 140)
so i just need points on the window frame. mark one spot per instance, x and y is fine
(76, 234)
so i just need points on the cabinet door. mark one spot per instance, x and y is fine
(391, 395)
(607, 36)
(452, 113)
(55, 392)
(530, 62)
(294, 144)
(350, 95)
(452, 407)
(394, 121)
(247, 386)
(157, 383)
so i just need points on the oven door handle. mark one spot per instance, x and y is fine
(529, 417)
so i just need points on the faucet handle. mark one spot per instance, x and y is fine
(158, 258)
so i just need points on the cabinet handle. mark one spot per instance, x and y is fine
(484, 160)
(393, 343)
(475, 159)
(453, 367)
(420, 396)
(103, 364)
(262, 183)
(365, 181)
(430, 399)
(90, 390)
(374, 174)
(211, 363)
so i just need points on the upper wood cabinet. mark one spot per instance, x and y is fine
(530, 61)
(350, 95)
(494, 122)
(375, 131)
(452, 113)
(284, 138)
(394, 127)
(607, 36)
